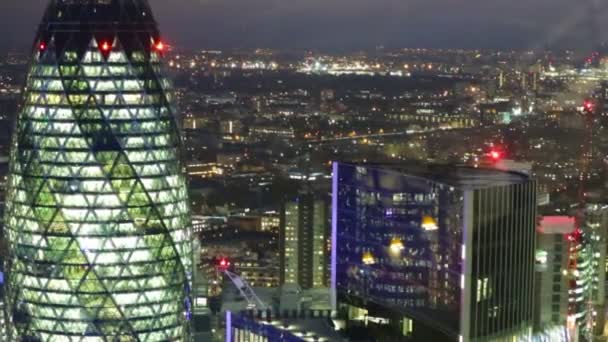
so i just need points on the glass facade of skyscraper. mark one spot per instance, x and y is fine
(451, 249)
(97, 212)
(3, 317)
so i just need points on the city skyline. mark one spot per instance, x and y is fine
(341, 24)
(323, 171)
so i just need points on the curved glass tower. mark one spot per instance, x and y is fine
(97, 209)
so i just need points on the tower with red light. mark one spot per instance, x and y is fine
(223, 264)
(586, 245)
(105, 46)
(589, 106)
(491, 157)
(97, 215)
(159, 46)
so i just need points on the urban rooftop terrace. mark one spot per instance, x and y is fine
(452, 174)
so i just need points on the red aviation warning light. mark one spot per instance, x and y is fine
(159, 46)
(105, 46)
(495, 155)
(588, 106)
(223, 264)
(42, 46)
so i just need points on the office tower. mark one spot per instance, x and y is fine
(270, 222)
(201, 326)
(586, 272)
(97, 212)
(3, 320)
(3, 316)
(5, 323)
(602, 101)
(501, 79)
(596, 225)
(437, 252)
(303, 241)
(551, 299)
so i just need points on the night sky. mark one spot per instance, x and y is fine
(351, 24)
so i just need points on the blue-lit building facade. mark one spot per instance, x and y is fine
(434, 252)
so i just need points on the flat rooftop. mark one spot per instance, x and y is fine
(453, 175)
(557, 225)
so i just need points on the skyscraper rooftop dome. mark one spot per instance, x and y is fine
(97, 210)
(72, 24)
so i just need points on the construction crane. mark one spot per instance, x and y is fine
(246, 291)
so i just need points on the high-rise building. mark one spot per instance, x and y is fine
(596, 224)
(437, 252)
(3, 316)
(4, 321)
(586, 272)
(303, 241)
(201, 326)
(603, 102)
(551, 299)
(97, 213)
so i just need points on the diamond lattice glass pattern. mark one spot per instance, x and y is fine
(97, 210)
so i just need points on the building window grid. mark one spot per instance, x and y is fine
(19, 207)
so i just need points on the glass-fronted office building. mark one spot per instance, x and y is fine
(434, 251)
(97, 213)
(4, 322)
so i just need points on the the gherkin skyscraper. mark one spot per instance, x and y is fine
(97, 210)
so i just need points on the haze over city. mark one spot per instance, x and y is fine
(355, 24)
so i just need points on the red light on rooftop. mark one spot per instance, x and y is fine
(42, 46)
(105, 46)
(159, 46)
(223, 264)
(588, 105)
